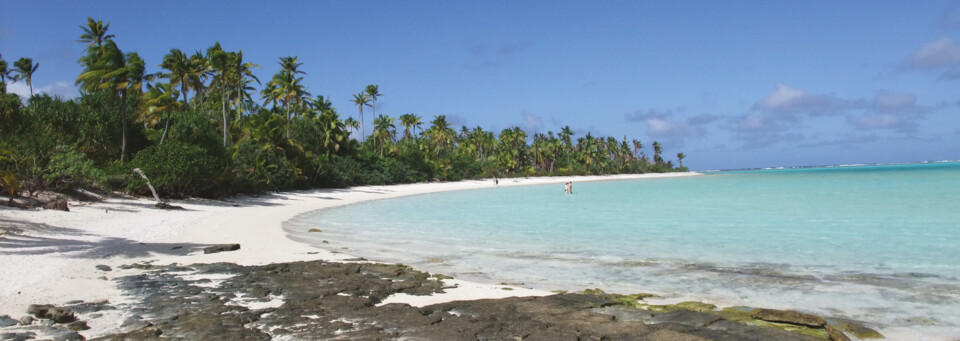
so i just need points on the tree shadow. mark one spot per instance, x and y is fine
(17, 243)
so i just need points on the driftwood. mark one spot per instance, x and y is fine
(160, 203)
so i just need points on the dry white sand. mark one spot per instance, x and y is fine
(53, 260)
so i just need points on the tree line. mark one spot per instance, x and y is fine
(195, 129)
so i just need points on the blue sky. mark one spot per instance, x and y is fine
(732, 84)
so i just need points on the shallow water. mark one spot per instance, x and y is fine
(874, 243)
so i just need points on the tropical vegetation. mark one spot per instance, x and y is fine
(196, 130)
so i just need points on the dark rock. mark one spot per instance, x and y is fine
(47, 311)
(62, 335)
(133, 323)
(102, 267)
(788, 316)
(221, 248)
(7, 321)
(686, 317)
(167, 206)
(745, 332)
(78, 325)
(835, 334)
(324, 300)
(18, 336)
(59, 203)
(861, 332)
(26, 320)
(624, 313)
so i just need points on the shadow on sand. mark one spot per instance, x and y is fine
(86, 245)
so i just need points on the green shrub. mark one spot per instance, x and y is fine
(177, 169)
(70, 169)
(257, 168)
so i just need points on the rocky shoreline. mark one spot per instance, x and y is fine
(342, 300)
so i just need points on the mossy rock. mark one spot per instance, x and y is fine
(507, 288)
(631, 300)
(657, 308)
(441, 276)
(742, 315)
(594, 291)
(859, 331)
(435, 260)
(314, 230)
(696, 306)
(324, 242)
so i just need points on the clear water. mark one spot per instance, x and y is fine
(873, 243)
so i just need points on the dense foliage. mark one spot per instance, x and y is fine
(195, 130)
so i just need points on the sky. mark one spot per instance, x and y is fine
(731, 84)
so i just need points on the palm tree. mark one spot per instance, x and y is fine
(351, 124)
(129, 80)
(361, 99)
(177, 65)
(95, 33)
(373, 91)
(24, 67)
(331, 131)
(407, 121)
(178, 72)
(4, 73)
(290, 65)
(219, 63)
(656, 153)
(565, 134)
(511, 151)
(287, 88)
(680, 157)
(199, 71)
(157, 102)
(239, 78)
(383, 132)
(321, 104)
(440, 133)
(637, 145)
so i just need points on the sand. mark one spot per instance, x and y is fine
(53, 258)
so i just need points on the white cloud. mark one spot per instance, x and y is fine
(781, 114)
(663, 127)
(786, 100)
(940, 53)
(64, 90)
(531, 122)
(661, 124)
(783, 97)
(886, 101)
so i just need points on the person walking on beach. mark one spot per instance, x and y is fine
(496, 182)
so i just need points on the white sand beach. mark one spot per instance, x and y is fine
(51, 257)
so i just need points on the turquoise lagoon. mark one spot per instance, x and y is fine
(874, 243)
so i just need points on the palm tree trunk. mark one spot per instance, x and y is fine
(123, 118)
(363, 134)
(165, 128)
(223, 105)
(288, 119)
